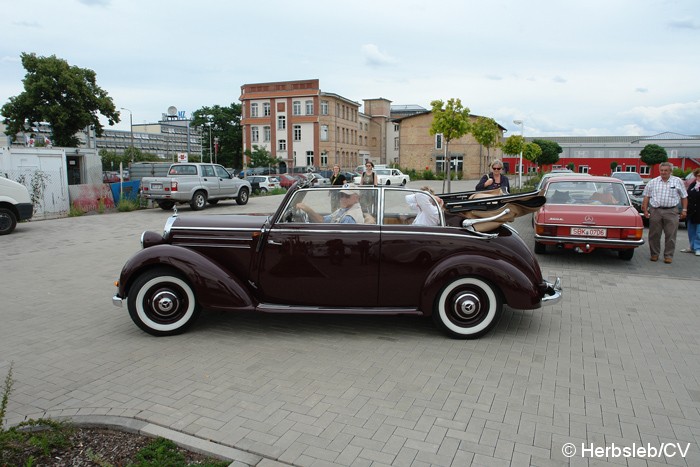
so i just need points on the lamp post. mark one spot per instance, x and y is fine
(210, 155)
(131, 128)
(520, 161)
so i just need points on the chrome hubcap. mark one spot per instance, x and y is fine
(165, 303)
(466, 306)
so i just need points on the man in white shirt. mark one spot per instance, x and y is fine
(661, 197)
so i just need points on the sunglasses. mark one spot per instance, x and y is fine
(496, 168)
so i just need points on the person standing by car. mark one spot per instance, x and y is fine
(337, 179)
(661, 197)
(494, 179)
(369, 177)
(693, 218)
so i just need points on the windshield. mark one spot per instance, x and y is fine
(587, 193)
(628, 176)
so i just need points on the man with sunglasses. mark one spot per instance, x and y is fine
(494, 179)
(349, 211)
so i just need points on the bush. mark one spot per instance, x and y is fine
(75, 211)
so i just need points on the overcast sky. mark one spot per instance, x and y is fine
(592, 68)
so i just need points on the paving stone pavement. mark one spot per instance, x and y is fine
(615, 363)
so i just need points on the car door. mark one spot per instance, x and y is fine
(320, 264)
(228, 184)
(209, 180)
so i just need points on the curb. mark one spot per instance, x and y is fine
(237, 457)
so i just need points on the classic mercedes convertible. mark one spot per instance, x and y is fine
(379, 256)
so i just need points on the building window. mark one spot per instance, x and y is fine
(254, 134)
(282, 145)
(583, 169)
(266, 134)
(253, 110)
(281, 122)
(324, 133)
(266, 109)
(629, 168)
(396, 144)
(309, 107)
(296, 108)
(309, 158)
(324, 159)
(644, 170)
(396, 127)
(324, 107)
(438, 141)
(297, 132)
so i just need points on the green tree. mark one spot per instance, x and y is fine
(261, 157)
(225, 124)
(67, 97)
(532, 152)
(550, 152)
(452, 121)
(486, 133)
(653, 154)
(513, 145)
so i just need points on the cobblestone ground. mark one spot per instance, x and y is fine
(615, 363)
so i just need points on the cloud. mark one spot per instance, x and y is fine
(26, 24)
(642, 90)
(686, 23)
(681, 117)
(95, 2)
(559, 79)
(494, 77)
(375, 57)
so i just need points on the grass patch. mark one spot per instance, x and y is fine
(127, 205)
(75, 211)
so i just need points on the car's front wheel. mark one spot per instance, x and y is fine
(467, 308)
(242, 197)
(8, 221)
(162, 303)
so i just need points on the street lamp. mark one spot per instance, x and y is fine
(131, 127)
(210, 155)
(520, 163)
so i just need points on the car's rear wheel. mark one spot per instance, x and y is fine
(263, 190)
(199, 201)
(626, 254)
(467, 308)
(165, 205)
(540, 248)
(162, 303)
(8, 221)
(242, 196)
(388, 182)
(403, 182)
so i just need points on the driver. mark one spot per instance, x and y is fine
(349, 211)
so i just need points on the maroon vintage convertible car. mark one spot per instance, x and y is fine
(381, 262)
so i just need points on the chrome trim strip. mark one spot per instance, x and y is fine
(596, 226)
(273, 308)
(211, 245)
(223, 229)
(591, 240)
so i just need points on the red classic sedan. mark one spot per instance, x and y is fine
(583, 213)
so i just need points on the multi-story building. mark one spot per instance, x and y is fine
(303, 126)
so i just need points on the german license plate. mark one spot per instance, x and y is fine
(588, 232)
(156, 186)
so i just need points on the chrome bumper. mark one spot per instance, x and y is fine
(552, 293)
(117, 301)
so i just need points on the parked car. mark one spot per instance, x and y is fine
(387, 177)
(633, 181)
(584, 213)
(317, 179)
(284, 263)
(555, 173)
(15, 205)
(265, 183)
(287, 180)
(196, 184)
